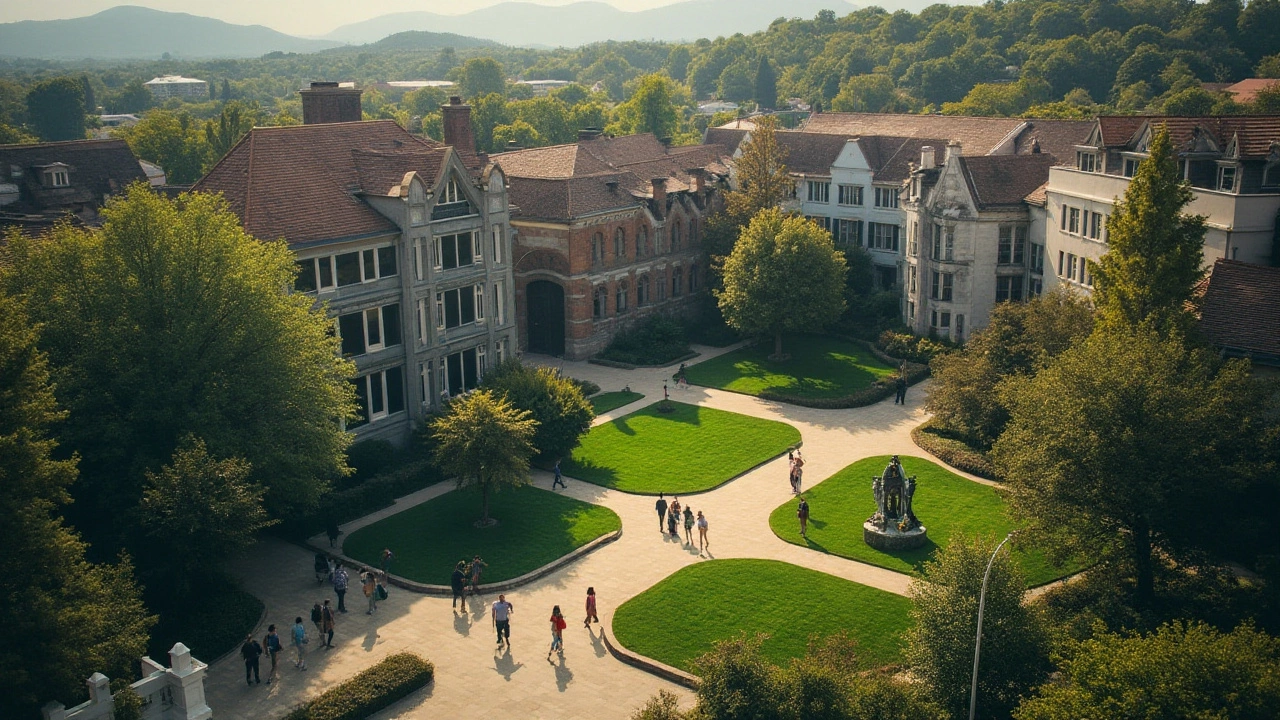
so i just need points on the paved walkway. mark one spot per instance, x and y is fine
(473, 681)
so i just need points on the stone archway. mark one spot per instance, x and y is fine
(544, 302)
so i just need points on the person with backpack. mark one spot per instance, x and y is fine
(557, 632)
(327, 622)
(273, 647)
(370, 587)
(299, 643)
(317, 617)
(251, 651)
(340, 580)
(802, 512)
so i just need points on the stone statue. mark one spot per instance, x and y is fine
(908, 490)
(894, 525)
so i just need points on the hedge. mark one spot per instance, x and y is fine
(934, 440)
(655, 341)
(372, 690)
(915, 348)
(370, 495)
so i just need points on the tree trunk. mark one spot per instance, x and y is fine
(1145, 590)
(484, 511)
(777, 355)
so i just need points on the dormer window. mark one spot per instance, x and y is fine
(452, 203)
(1086, 161)
(1227, 178)
(57, 176)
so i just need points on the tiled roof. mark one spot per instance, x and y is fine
(302, 183)
(894, 155)
(1039, 196)
(557, 161)
(729, 138)
(563, 199)
(1001, 180)
(1053, 137)
(96, 168)
(809, 152)
(1118, 130)
(1246, 90)
(1257, 133)
(1240, 309)
(978, 135)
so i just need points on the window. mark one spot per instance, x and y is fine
(1086, 276)
(1086, 161)
(369, 330)
(57, 177)
(309, 280)
(848, 232)
(421, 258)
(911, 311)
(1012, 245)
(822, 221)
(693, 232)
(1073, 221)
(959, 327)
(1008, 288)
(661, 284)
(642, 242)
(460, 306)
(1061, 257)
(1131, 166)
(424, 322)
(675, 236)
(819, 192)
(356, 267)
(886, 197)
(379, 394)
(944, 243)
(620, 244)
(942, 286)
(462, 370)
(940, 321)
(911, 279)
(620, 297)
(452, 202)
(502, 350)
(1035, 288)
(1037, 258)
(498, 239)
(455, 251)
(657, 241)
(642, 291)
(882, 236)
(1097, 224)
(1227, 178)
(913, 247)
(599, 302)
(450, 193)
(500, 302)
(597, 248)
(693, 278)
(850, 194)
(1071, 266)
(677, 282)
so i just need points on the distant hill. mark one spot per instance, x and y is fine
(529, 25)
(422, 40)
(129, 32)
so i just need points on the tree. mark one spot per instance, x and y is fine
(939, 648)
(55, 109)
(766, 85)
(481, 76)
(234, 122)
(737, 682)
(424, 101)
(521, 133)
(90, 101)
(226, 90)
(196, 511)
(10, 135)
(168, 321)
(69, 617)
(1183, 670)
(172, 141)
(735, 83)
(651, 108)
(1109, 451)
(134, 97)
(865, 93)
(1154, 252)
(487, 112)
(763, 292)
(556, 402)
(763, 180)
(485, 443)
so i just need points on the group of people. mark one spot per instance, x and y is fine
(675, 515)
(795, 464)
(502, 610)
(458, 580)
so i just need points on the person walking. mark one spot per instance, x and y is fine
(661, 507)
(703, 526)
(387, 557)
(557, 632)
(370, 586)
(798, 473)
(558, 479)
(591, 608)
(331, 529)
(300, 643)
(502, 619)
(802, 512)
(458, 581)
(672, 519)
(251, 651)
(317, 619)
(477, 567)
(273, 647)
(327, 623)
(901, 384)
(340, 580)
(688, 525)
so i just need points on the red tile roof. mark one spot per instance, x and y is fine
(1246, 90)
(1240, 310)
(1002, 180)
(1257, 133)
(302, 183)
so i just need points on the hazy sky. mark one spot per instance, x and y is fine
(297, 17)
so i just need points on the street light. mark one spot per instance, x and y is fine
(977, 643)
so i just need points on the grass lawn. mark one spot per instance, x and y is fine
(604, 402)
(534, 528)
(946, 504)
(819, 367)
(690, 449)
(681, 617)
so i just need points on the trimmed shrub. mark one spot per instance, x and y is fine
(372, 690)
(943, 445)
(369, 458)
(360, 500)
(915, 348)
(657, 340)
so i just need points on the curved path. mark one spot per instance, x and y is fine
(471, 680)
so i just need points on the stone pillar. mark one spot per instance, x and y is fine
(186, 677)
(54, 711)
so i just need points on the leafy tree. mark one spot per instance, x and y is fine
(196, 511)
(570, 94)
(763, 180)
(424, 101)
(650, 110)
(487, 112)
(90, 101)
(766, 84)
(735, 83)
(677, 64)
(134, 97)
(1183, 670)
(587, 115)
(1154, 251)
(1193, 101)
(554, 401)
(171, 140)
(234, 122)
(865, 93)
(519, 132)
(549, 117)
(663, 706)
(737, 682)
(171, 321)
(1115, 450)
(485, 443)
(761, 294)
(69, 617)
(10, 135)
(1268, 67)
(1266, 101)
(939, 648)
(226, 90)
(481, 76)
(55, 109)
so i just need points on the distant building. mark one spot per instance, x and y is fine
(418, 84)
(711, 108)
(1240, 311)
(43, 183)
(155, 174)
(1247, 90)
(107, 123)
(542, 87)
(163, 88)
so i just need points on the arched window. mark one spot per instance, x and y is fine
(620, 304)
(597, 248)
(675, 236)
(693, 232)
(661, 284)
(693, 278)
(599, 304)
(677, 282)
(620, 244)
(642, 242)
(642, 291)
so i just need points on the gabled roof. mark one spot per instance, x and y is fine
(810, 153)
(563, 199)
(1004, 180)
(1246, 90)
(1256, 133)
(729, 138)
(1053, 137)
(890, 158)
(1240, 309)
(303, 183)
(96, 168)
(978, 135)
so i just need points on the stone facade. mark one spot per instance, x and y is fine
(172, 693)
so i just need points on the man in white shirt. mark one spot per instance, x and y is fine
(502, 619)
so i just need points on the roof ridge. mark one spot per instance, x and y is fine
(248, 180)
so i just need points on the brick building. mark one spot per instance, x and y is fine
(607, 231)
(47, 182)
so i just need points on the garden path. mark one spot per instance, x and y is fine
(473, 681)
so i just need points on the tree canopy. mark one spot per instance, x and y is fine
(556, 402)
(485, 442)
(56, 109)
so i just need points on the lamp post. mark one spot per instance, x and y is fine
(977, 643)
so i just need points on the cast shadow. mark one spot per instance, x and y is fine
(505, 666)
(564, 675)
(462, 623)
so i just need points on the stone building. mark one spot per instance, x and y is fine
(607, 231)
(169, 86)
(46, 182)
(407, 241)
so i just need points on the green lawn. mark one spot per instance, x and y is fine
(819, 367)
(690, 449)
(604, 402)
(534, 528)
(946, 504)
(681, 617)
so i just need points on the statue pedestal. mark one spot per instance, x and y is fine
(891, 539)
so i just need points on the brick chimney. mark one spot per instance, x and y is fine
(328, 102)
(698, 180)
(928, 159)
(457, 125)
(953, 150)
(589, 133)
(659, 195)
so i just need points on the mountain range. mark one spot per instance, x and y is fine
(531, 25)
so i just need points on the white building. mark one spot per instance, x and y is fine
(542, 87)
(163, 88)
